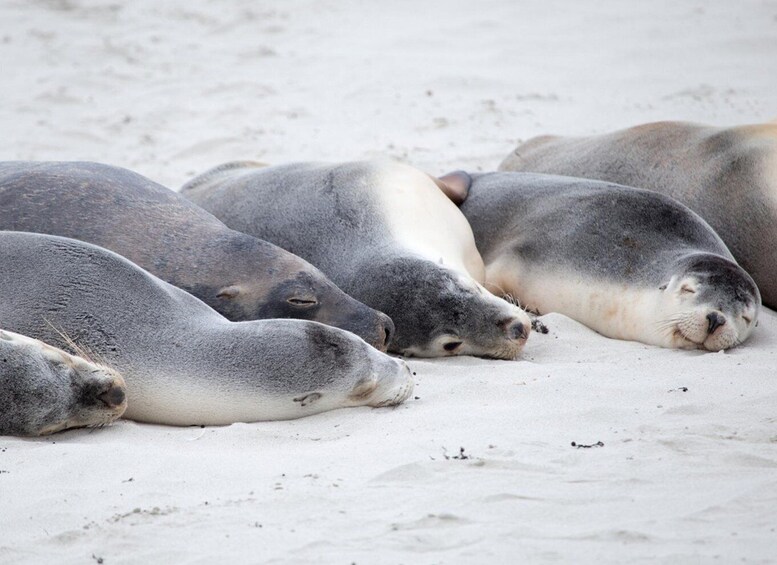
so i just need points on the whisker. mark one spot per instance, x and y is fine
(672, 321)
(508, 296)
(80, 350)
(69, 341)
(489, 284)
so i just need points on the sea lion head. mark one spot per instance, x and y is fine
(45, 390)
(440, 312)
(710, 302)
(290, 287)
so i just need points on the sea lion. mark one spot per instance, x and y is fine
(629, 263)
(386, 235)
(183, 362)
(239, 276)
(726, 175)
(44, 389)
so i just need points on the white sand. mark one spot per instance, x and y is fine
(171, 88)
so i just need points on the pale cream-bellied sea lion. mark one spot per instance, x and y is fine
(239, 276)
(184, 363)
(629, 263)
(44, 389)
(386, 235)
(726, 175)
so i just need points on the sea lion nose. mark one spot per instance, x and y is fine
(516, 330)
(387, 327)
(113, 397)
(715, 321)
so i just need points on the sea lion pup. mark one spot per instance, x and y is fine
(241, 277)
(629, 263)
(183, 362)
(44, 390)
(386, 235)
(726, 175)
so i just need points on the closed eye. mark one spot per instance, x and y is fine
(452, 345)
(747, 319)
(302, 301)
(687, 289)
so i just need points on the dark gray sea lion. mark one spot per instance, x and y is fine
(629, 263)
(241, 277)
(386, 235)
(182, 361)
(726, 175)
(44, 389)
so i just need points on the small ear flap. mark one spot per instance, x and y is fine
(228, 292)
(455, 186)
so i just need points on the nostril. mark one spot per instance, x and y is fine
(386, 336)
(516, 330)
(388, 330)
(113, 397)
(715, 321)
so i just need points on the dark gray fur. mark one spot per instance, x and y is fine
(38, 393)
(322, 213)
(183, 363)
(607, 231)
(177, 241)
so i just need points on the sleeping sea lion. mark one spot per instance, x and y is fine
(629, 263)
(184, 363)
(386, 235)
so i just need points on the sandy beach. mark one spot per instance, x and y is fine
(675, 452)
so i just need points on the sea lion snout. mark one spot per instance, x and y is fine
(373, 326)
(394, 384)
(715, 320)
(385, 328)
(516, 330)
(114, 397)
